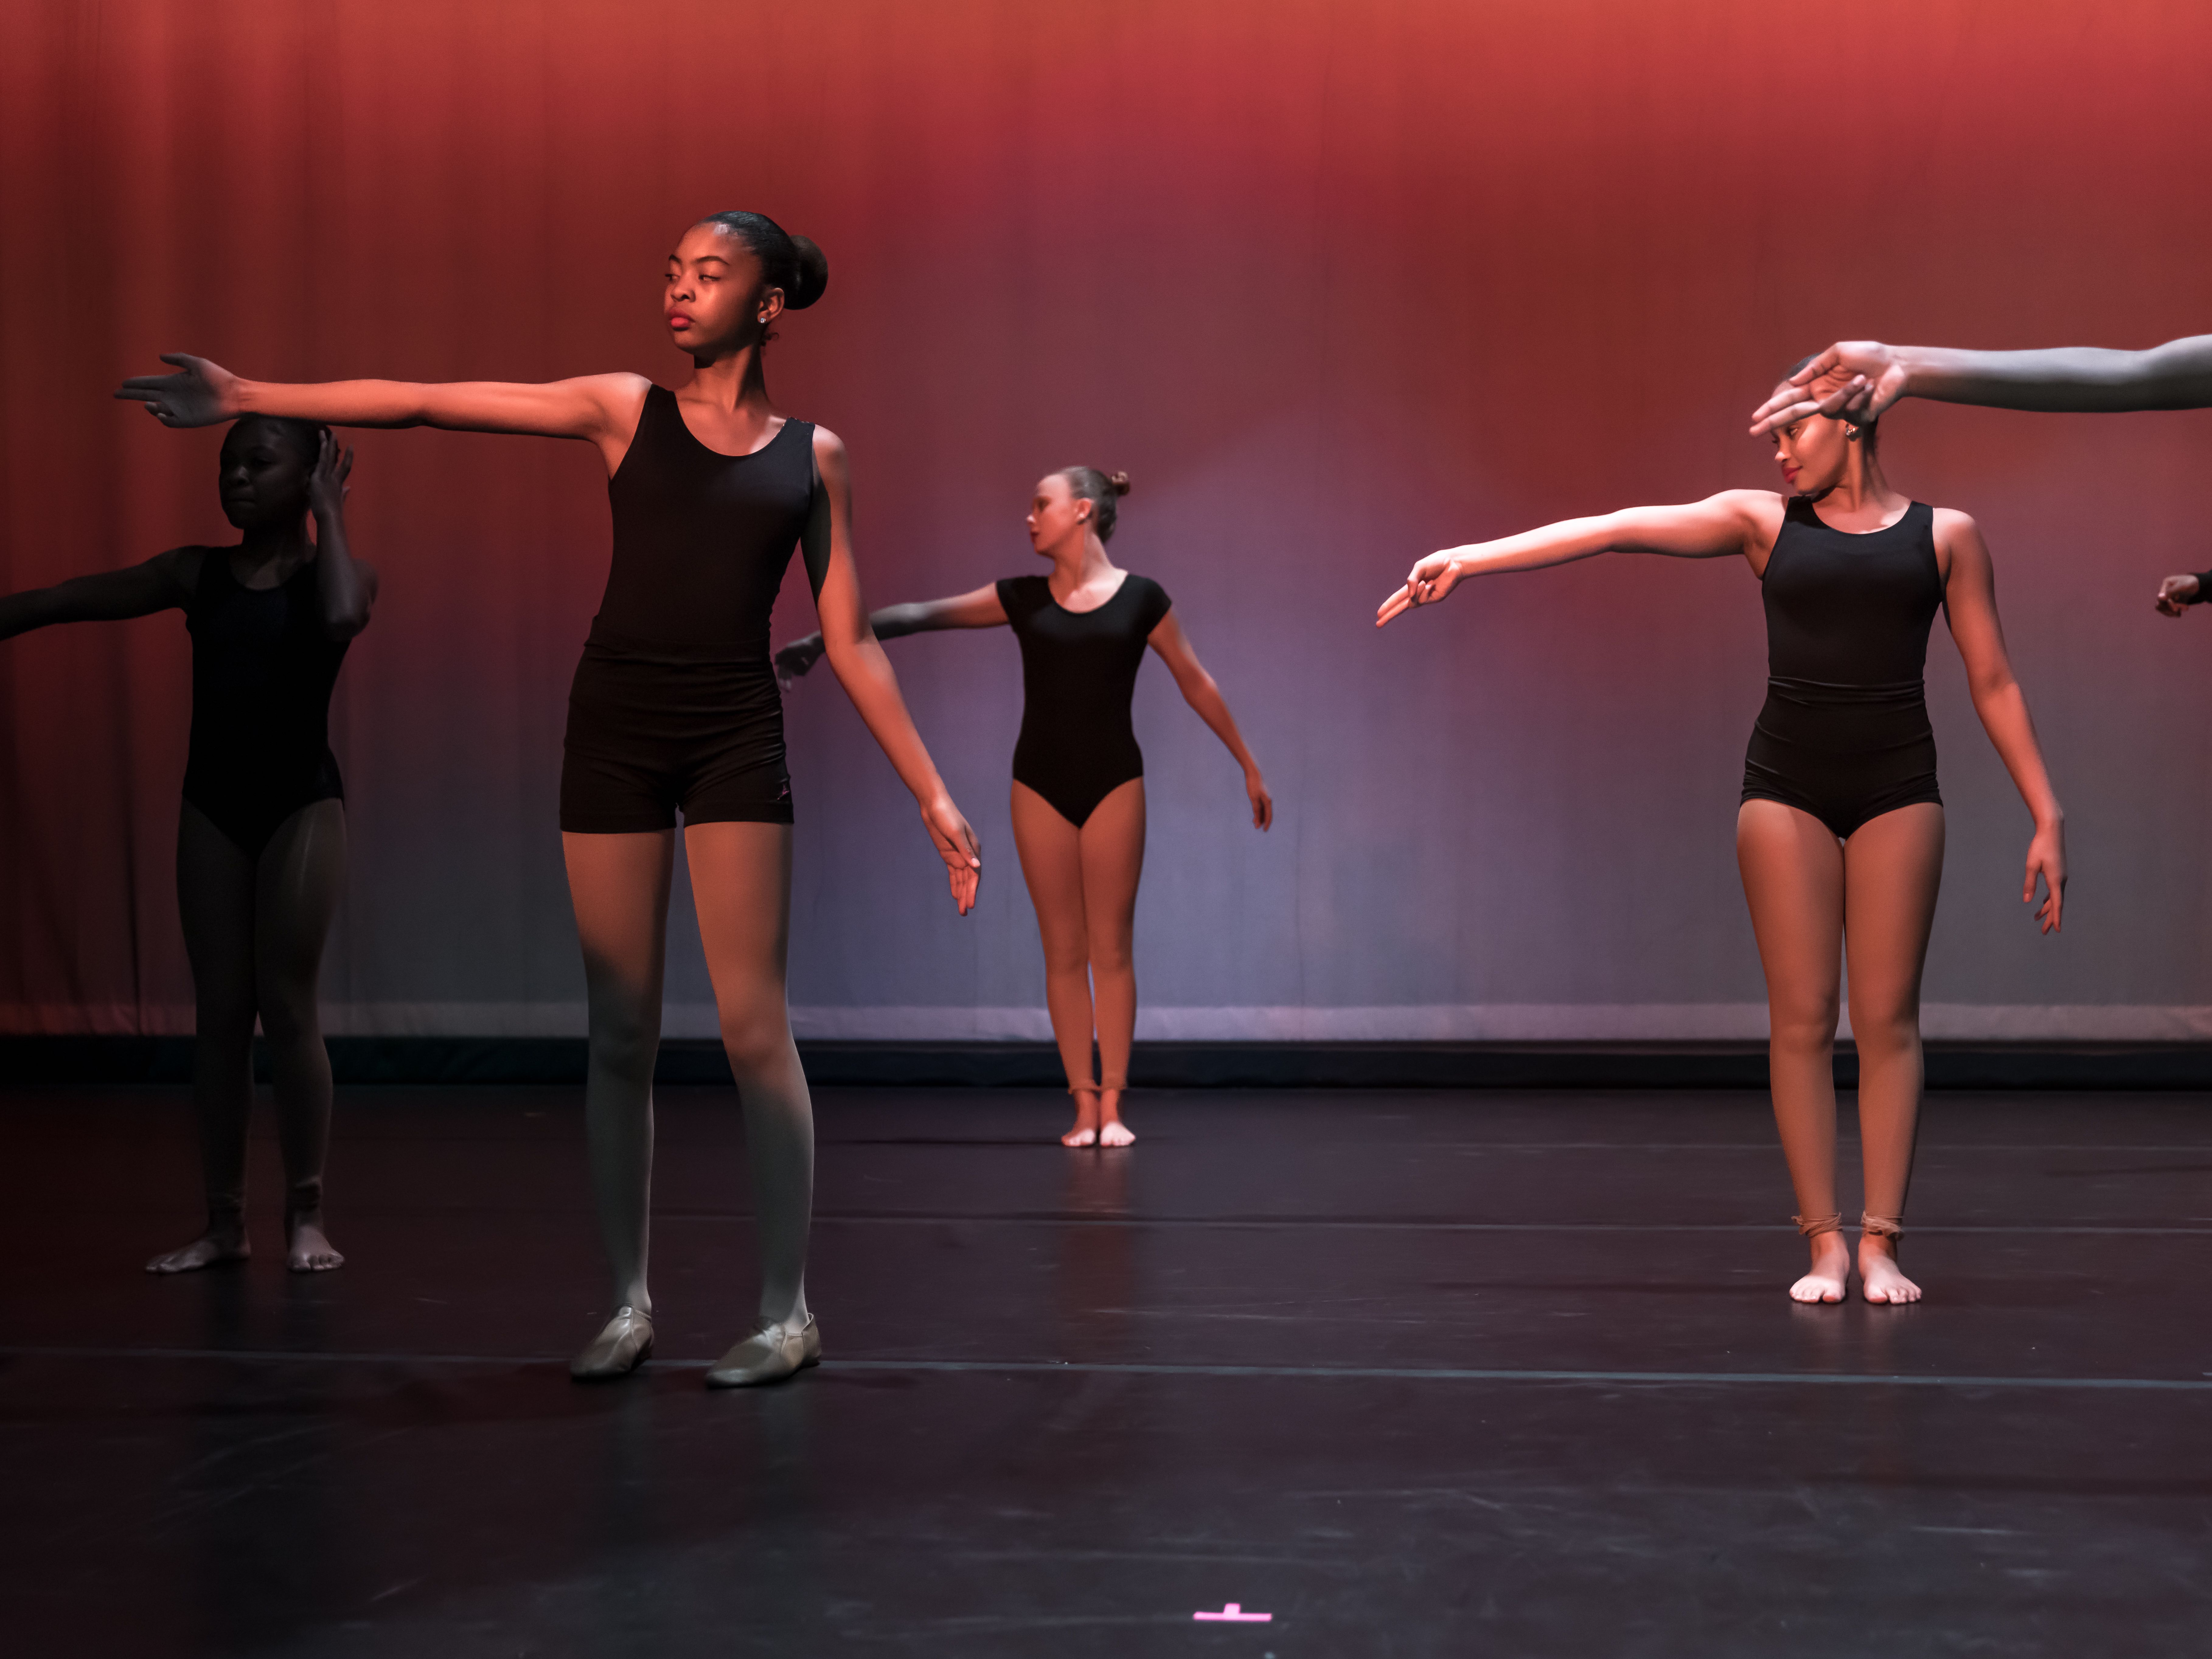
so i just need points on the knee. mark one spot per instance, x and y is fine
(623, 1040)
(1885, 1029)
(757, 1039)
(1803, 1025)
(228, 1018)
(288, 1018)
(1066, 961)
(1111, 957)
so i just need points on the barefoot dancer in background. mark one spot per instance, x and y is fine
(261, 840)
(1078, 792)
(674, 708)
(1840, 834)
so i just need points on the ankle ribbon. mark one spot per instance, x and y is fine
(1814, 1225)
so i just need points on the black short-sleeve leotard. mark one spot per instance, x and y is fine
(1844, 734)
(675, 705)
(1079, 676)
(264, 666)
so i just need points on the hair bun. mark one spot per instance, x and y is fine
(813, 274)
(1120, 481)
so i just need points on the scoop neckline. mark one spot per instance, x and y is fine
(1127, 576)
(789, 420)
(1878, 530)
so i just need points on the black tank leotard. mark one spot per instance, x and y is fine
(1079, 675)
(675, 705)
(263, 669)
(1844, 733)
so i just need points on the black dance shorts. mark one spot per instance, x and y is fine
(650, 737)
(1846, 754)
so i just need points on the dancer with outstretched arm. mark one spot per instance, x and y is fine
(674, 709)
(1079, 789)
(261, 835)
(1840, 836)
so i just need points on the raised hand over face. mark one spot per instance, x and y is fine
(200, 393)
(1857, 377)
(327, 488)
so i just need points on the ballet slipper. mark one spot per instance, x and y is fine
(771, 1353)
(620, 1348)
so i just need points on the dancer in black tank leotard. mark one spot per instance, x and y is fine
(1078, 794)
(1840, 833)
(674, 707)
(261, 835)
(1844, 734)
(674, 710)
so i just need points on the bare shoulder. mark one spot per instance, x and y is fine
(621, 393)
(828, 446)
(1950, 525)
(181, 568)
(1758, 507)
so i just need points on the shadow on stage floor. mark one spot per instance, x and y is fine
(1413, 1372)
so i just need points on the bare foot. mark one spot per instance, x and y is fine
(1880, 1279)
(310, 1251)
(1085, 1132)
(1112, 1132)
(223, 1240)
(1832, 1266)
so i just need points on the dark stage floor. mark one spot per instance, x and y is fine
(1413, 1373)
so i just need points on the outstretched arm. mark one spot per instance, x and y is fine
(1743, 522)
(979, 609)
(1970, 596)
(1199, 691)
(1872, 376)
(865, 674)
(162, 583)
(601, 409)
(345, 585)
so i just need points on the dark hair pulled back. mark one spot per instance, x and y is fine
(791, 262)
(1102, 489)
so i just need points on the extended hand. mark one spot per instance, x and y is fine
(200, 393)
(795, 658)
(957, 847)
(2046, 857)
(2175, 593)
(1430, 581)
(1263, 803)
(1863, 378)
(327, 488)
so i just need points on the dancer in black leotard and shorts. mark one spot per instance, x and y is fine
(674, 710)
(1840, 834)
(261, 836)
(1078, 794)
